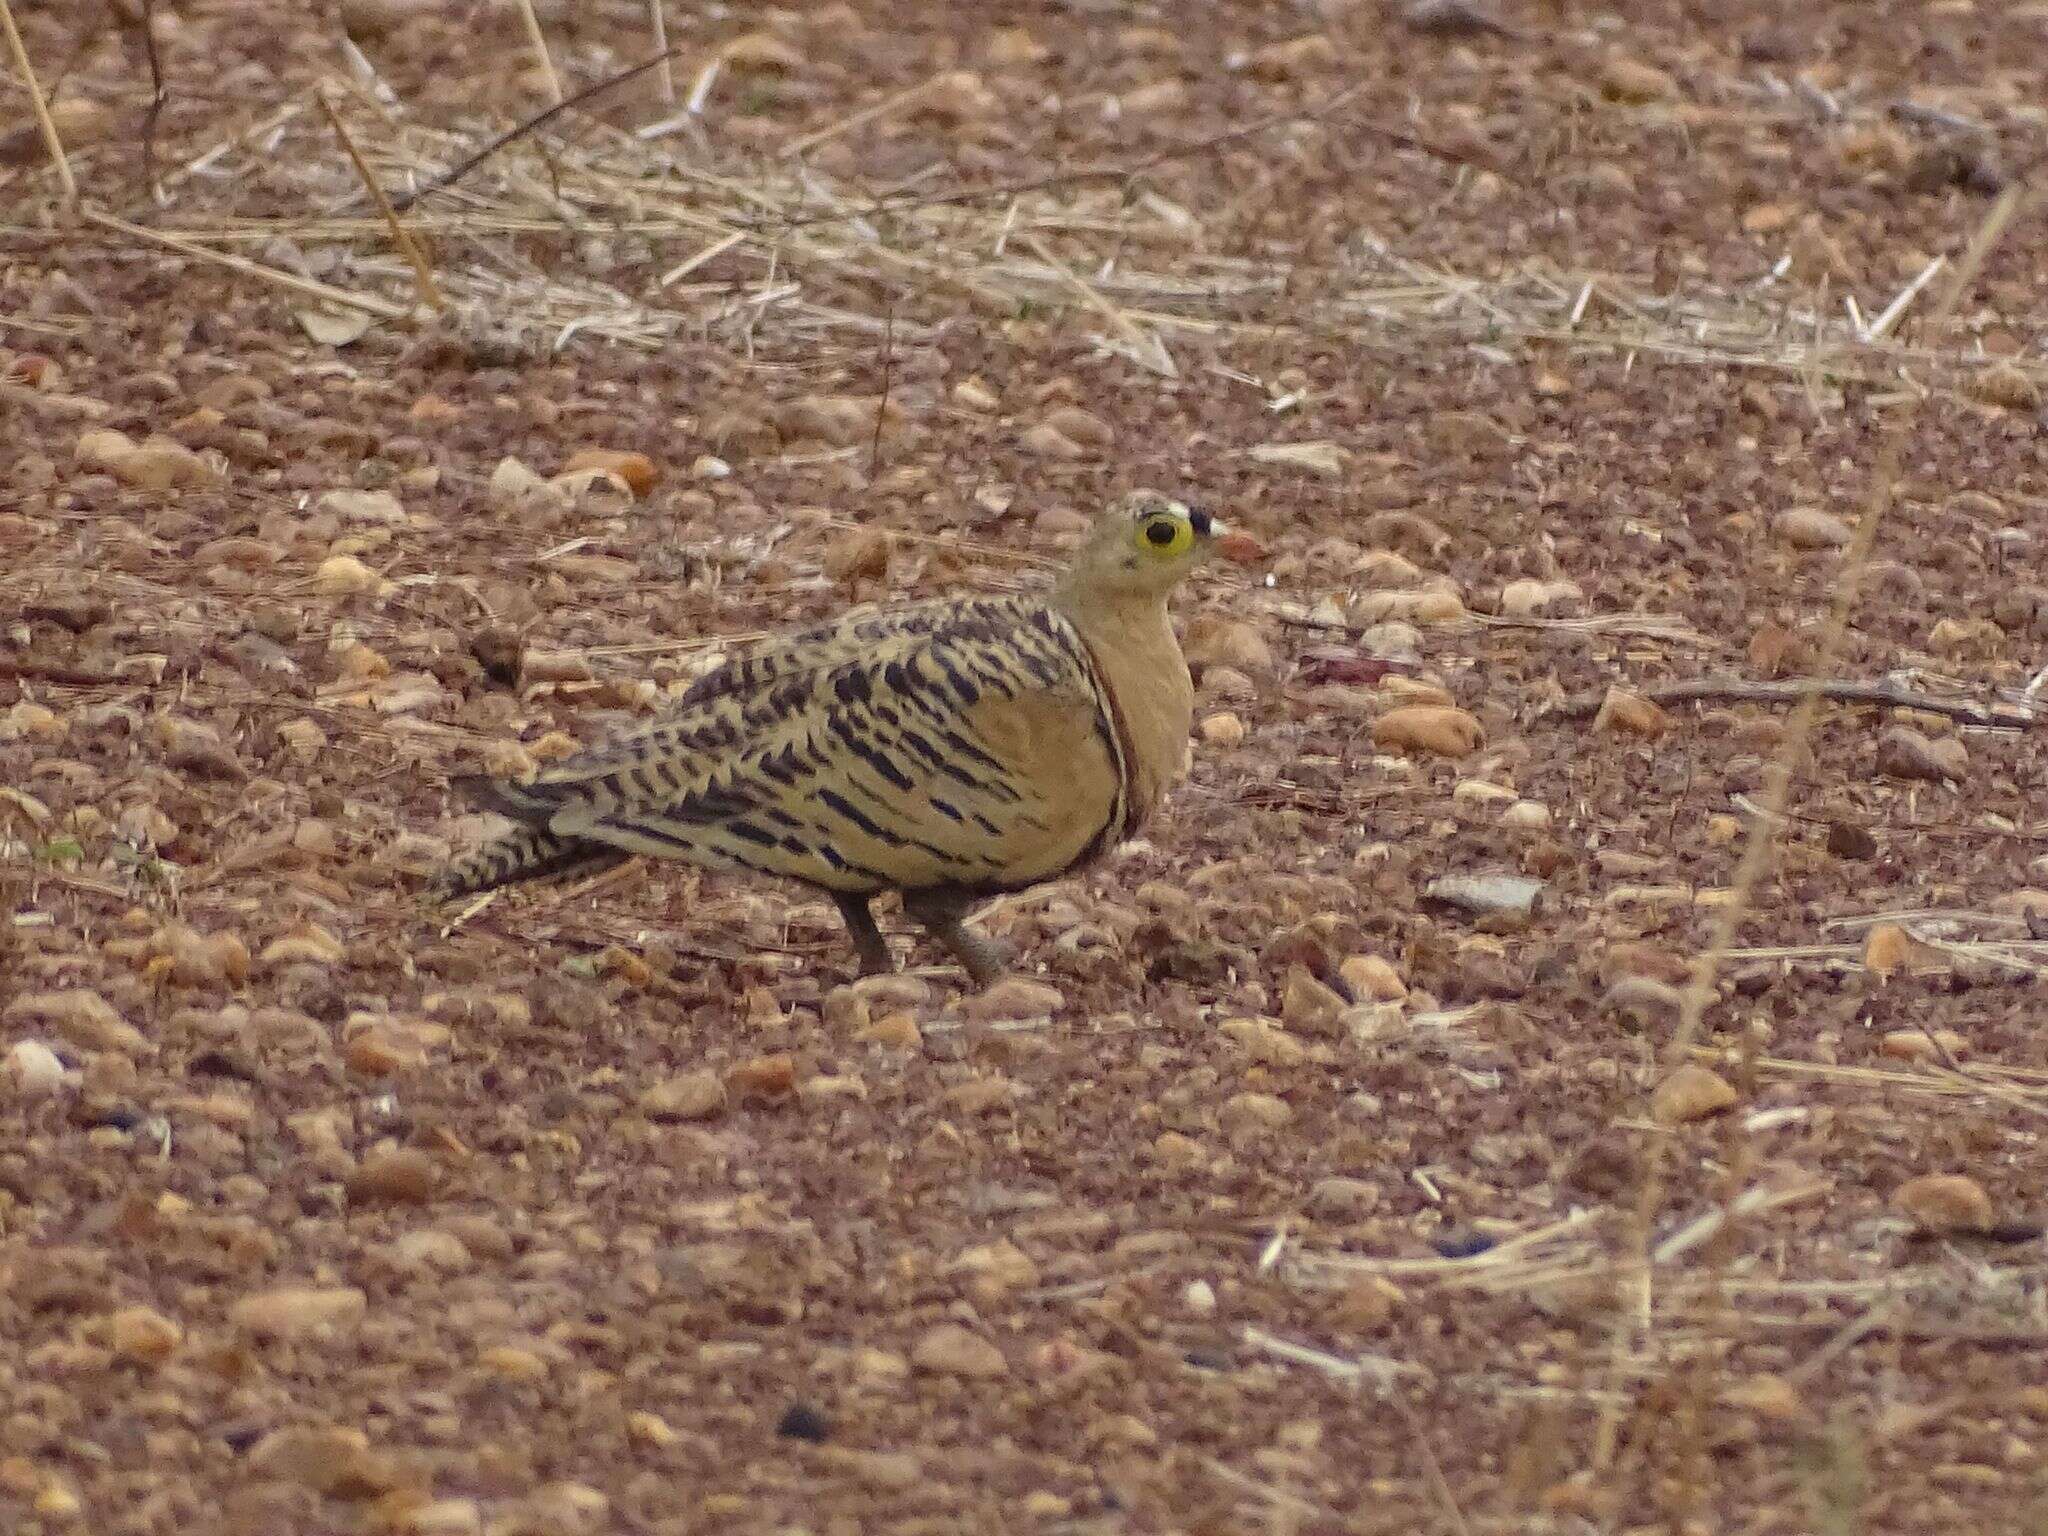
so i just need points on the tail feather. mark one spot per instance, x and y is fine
(517, 801)
(526, 853)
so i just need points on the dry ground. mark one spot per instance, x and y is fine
(602, 1210)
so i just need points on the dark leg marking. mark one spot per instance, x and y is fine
(867, 938)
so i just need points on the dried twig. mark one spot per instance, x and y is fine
(520, 130)
(311, 287)
(1439, 1484)
(422, 269)
(41, 107)
(159, 95)
(538, 39)
(1743, 691)
(868, 114)
(657, 17)
(882, 405)
(1147, 350)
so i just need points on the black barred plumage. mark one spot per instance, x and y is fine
(949, 750)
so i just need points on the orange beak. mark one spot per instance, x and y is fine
(1239, 548)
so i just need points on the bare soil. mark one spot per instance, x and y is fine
(603, 1207)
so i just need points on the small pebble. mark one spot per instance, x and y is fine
(1488, 895)
(1223, 730)
(951, 1350)
(1904, 753)
(143, 1335)
(32, 1069)
(1888, 948)
(1630, 714)
(884, 1471)
(1371, 978)
(1309, 1007)
(1693, 1092)
(1443, 731)
(1945, 1202)
(295, 1311)
(764, 1078)
(394, 1176)
(58, 1503)
(652, 1429)
(81, 1016)
(1769, 1396)
(1460, 1243)
(1630, 80)
(1921, 1045)
(1011, 998)
(800, 1421)
(1339, 1198)
(1811, 528)
(691, 1096)
(1245, 1116)
(442, 1517)
(635, 471)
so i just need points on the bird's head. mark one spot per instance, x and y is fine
(1145, 542)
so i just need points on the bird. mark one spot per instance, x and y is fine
(951, 750)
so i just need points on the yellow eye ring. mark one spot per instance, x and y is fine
(1165, 535)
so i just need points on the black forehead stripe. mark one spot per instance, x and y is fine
(1202, 522)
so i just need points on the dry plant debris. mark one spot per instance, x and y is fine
(1291, 1186)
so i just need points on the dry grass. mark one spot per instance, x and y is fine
(629, 201)
(17, 54)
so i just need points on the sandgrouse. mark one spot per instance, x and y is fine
(949, 750)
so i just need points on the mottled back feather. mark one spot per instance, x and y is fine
(967, 744)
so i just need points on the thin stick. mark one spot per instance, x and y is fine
(55, 145)
(657, 15)
(853, 120)
(1149, 350)
(1777, 795)
(1439, 1484)
(882, 405)
(1742, 691)
(422, 270)
(159, 95)
(540, 49)
(1890, 315)
(689, 264)
(384, 309)
(519, 131)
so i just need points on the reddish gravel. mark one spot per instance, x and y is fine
(607, 1209)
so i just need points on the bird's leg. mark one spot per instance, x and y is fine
(942, 912)
(867, 938)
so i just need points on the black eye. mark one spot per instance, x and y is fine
(1160, 532)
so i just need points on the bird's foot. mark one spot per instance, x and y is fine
(984, 959)
(943, 913)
